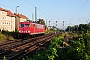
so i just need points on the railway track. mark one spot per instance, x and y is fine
(15, 50)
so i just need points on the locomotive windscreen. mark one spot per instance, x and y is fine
(21, 25)
(24, 25)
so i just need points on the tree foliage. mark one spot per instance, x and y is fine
(79, 49)
(41, 21)
(79, 28)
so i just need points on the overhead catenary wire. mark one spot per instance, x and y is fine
(12, 8)
(7, 6)
(37, 8)
(77, 8)
(29, 3)
(81, 8)
(78, 4)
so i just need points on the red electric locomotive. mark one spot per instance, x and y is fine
(30, 28)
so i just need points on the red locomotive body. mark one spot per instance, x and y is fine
(31, 28)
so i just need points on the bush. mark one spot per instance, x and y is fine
(11, 34)
(79, 49)
(5, 35)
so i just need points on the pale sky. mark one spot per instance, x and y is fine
(72, 11)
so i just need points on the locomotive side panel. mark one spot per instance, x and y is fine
(32, 29)
(39, 29)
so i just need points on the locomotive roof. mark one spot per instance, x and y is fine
(30, 22)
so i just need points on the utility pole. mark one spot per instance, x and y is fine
(69, 24)
(35, 13)
(77, 28)
(81, 26)
(56, 26)
(63, 24)
(16, 9)
(16, 21)
(56, 23)
(87, 24)
(49, 24)
(87, 21)
(32, 17)
(46, 24)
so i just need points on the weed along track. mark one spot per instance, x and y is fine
(15, 50)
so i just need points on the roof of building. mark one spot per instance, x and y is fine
(9, 13)
(21, 16)
(1, 9)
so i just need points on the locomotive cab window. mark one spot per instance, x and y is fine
(24, 25)
(39, 26)
(27, 25)
(21, 25)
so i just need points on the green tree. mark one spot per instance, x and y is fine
(41, 21)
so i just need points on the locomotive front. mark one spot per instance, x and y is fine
(24, 27)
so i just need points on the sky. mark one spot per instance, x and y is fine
(73, 12)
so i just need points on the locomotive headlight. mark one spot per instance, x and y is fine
(29, 31)
(19, 31)
(26, 31)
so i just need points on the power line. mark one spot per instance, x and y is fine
(29, 3)
(7, 6)
(12, 8)
(37, 8)
(82, 7)
(43, 13)
(77, 8)
(78, 4)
